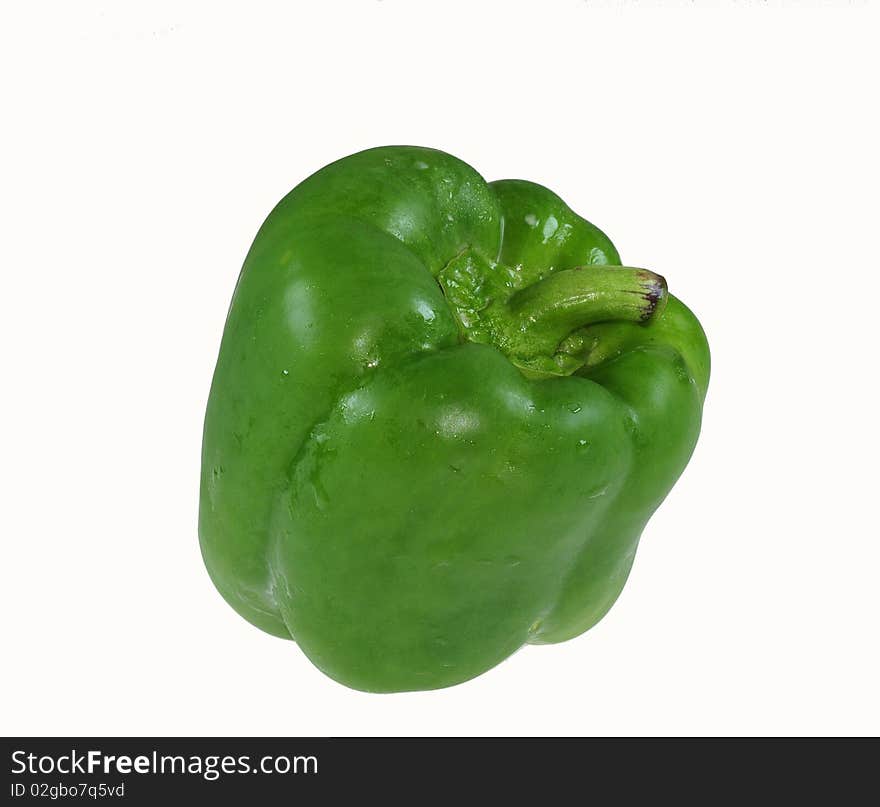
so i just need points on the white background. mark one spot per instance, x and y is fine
(730, 146)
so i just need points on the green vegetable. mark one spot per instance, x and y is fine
(441, 416)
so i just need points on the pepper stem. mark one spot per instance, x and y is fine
(545, 313)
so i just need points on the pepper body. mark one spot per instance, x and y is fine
(441, 417)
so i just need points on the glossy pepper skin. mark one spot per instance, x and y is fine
(441, 417)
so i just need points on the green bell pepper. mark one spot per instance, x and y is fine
(440, 419)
